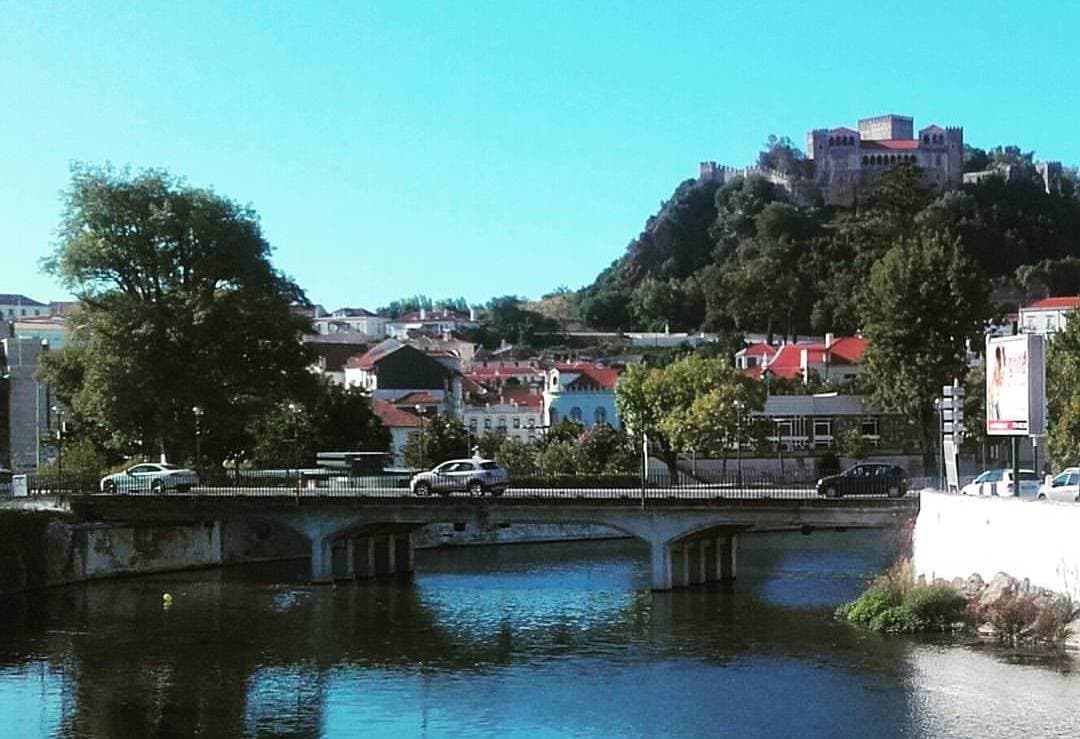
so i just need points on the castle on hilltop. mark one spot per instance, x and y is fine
(846, 162)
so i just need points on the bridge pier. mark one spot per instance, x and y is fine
(693, 561)
(385, 555)
(322, 559)
(362, 557)
(404, 554)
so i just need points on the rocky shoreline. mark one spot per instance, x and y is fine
(1004, 610)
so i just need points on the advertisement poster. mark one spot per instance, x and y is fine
(1015, 386)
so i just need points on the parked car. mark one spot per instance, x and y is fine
(475, 476)
(1000, 482)
(150, 476)
(1065, 486)
(865, 479)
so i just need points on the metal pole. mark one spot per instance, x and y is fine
(644, 465)
(1016, 464)
(941, 445)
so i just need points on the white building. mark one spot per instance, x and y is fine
(515, 415)
(352, 321)
(20, 306)
(1047, 316)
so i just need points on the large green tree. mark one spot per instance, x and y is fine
(925, 301)
(181, 308)
(692, 404)
(1063, 392)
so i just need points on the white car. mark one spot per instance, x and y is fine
(1000, 482)
(1064, 487)
(150, 476)
(477, 476)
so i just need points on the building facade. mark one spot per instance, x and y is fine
(519, 416)
(1047, 316)
(28, 403)
(582, 392)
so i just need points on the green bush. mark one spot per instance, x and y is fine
(898, 603)
(879, 597)
(897, 620)
(938, 606)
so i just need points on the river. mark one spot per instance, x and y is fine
(553, 640)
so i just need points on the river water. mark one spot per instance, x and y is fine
(550, 640)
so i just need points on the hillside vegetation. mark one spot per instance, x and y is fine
(741, 258)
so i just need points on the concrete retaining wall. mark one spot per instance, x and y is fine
(958, 535)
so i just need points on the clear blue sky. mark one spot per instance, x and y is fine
(484, 148)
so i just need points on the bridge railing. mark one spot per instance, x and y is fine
(657, 485)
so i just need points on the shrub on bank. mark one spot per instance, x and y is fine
(1005, 609)
(898, 603)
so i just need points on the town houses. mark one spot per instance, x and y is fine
(424, 363)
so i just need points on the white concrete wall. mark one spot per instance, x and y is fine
(959, 535)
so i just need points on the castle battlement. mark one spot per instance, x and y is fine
(847, 162)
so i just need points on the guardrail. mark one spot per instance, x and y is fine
(658, 485)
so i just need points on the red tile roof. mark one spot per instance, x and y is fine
(392, 416)
(482, 373)
(417, 397)
(603, 376)
(848, 348)
(372, 355)
(1066, 303)
(893, 144)
(787, 362)
(524, 398)
(760, 349)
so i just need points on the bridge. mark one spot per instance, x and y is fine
(692, 531)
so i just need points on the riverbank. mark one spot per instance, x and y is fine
(1004, 610)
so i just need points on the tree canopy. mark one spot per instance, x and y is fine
(180, 308)
(740, 257)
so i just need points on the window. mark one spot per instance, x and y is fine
(472, 424)
(822, 432)
(600, 415)
(785, 427)
(576, 414)
(487, 423)
(517, 422)
(869, 427)
(531, 423)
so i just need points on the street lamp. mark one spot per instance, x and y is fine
(738, 404)
(198, 411)
(420, 412)
(59, 413)
(294, 411)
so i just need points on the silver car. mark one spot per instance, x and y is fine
(1064, 487)
(475, 476)
(150, 476)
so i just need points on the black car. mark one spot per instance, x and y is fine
(865, 479)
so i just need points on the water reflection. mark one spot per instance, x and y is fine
(552, 640)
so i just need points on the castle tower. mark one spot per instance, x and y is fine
(889, 127)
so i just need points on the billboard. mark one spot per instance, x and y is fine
(1015, 385)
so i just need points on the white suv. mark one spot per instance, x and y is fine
(1000, 482)
(476, 476)
(1065, 487)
